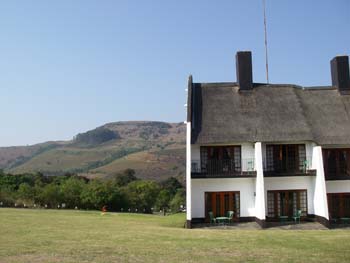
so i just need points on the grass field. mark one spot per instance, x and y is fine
(78, 236)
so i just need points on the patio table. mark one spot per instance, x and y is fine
(222, 219)
(283, 219)
(345, 220)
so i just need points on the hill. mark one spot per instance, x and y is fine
(155, 150)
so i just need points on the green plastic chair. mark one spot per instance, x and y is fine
(250, 165)
(230, 216)
(296, 217)
(212, 218)
(306, 166)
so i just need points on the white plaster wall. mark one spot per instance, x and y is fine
(188, 171)
(309, 149)
(259, 186)
(320, 194)
(339, 186)
(292, 183)
(246, 187)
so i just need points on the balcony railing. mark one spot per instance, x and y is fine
(300, 166)
(223, 168)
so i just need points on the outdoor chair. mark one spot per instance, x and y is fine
(306, 166)
(296, 217)
(212, 218)
(230, 216)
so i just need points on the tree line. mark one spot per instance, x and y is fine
(122, 192)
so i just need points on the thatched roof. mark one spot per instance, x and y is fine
(220, 113)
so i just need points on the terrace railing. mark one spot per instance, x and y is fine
(222, 168)
(300, 166)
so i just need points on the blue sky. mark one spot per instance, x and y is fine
(70, 66)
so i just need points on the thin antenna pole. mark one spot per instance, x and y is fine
(266, 55)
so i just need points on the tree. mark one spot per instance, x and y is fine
(142, 194)
(178, 200)
(97, 194)
(171, 184)
(125, 177)
(51, 195)
(163, 200)
(71, 190)
(7, 196)
(26, 192)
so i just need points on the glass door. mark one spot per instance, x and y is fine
(221, 202)
(286, 203)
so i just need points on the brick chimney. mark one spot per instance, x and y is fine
(340, 73)
(244, 71)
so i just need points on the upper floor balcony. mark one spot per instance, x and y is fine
(225, 168)
(222, 162)
(287, 160)
(227, 162)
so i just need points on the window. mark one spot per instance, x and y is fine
(336, 163)
(220, 159)
(281, 158)
(271, 204)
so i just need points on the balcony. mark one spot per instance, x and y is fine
(288, 167)
(227, 168)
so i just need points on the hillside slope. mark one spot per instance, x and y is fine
(156, 150)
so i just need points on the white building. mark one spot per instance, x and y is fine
(266, 151)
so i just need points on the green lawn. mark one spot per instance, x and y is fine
(77, 236)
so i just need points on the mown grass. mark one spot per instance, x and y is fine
(80, 236)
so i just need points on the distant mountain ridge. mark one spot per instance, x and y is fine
(155, 150)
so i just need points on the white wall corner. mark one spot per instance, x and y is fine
(320, 193)
(259, 184)
(188, 172)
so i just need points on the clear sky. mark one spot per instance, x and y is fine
(69, 66)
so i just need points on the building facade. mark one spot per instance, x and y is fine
(266, 151)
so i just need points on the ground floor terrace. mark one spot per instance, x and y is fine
(286, 201)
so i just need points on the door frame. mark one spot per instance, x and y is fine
(341, 208)
(287, 191)
(232, 200)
